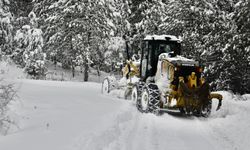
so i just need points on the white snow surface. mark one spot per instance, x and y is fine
(176, 58)
(161, 37)
(54, 115)
(8, 71)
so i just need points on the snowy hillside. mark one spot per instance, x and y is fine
(52, 115)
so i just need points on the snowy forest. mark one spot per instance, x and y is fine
(124, 74)
(89, 34)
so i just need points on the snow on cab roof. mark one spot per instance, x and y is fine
(180, 60)
(162, 37)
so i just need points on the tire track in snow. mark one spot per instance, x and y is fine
(137, 133)
(161, 132)
(133, 130)
(111, 138)
(143, 135)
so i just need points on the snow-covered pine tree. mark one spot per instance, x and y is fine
(204, 27)
(20, 10)
(128, 15)
(218, 26)
(236, 66)
(153, 13)
(74, 28)
(99, 28)
(34, 57)
(49, 20)
(188, 19)
(21, 43)
(6, 28)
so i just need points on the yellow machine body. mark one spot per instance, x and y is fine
(161, 76)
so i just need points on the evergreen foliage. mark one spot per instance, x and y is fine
(6, 28)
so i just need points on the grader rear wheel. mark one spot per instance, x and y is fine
(150, 99)
(136, 92)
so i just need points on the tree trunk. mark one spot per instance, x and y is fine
(86, 72)
(72, 57)
(54, 61)
(86, 63)
(72, 68)
(73, 71)
(98, 70)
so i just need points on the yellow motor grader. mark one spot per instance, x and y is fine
(164, 81)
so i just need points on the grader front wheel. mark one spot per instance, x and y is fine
(134, 95)
(108, 84)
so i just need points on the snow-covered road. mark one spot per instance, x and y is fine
(76, 116)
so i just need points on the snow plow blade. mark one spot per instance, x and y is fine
(216, 96)
(196, 101)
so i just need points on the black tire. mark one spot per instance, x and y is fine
(128, 92)
(108, 84)
(136, 92)
(150, 98)
(206, 110)
(127, 95)
(203, 95)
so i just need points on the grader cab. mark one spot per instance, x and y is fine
(166, 81)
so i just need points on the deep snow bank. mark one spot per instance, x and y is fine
(232, 122)
(8, 73)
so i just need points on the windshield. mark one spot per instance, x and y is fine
(169, 47)
(163, 48)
